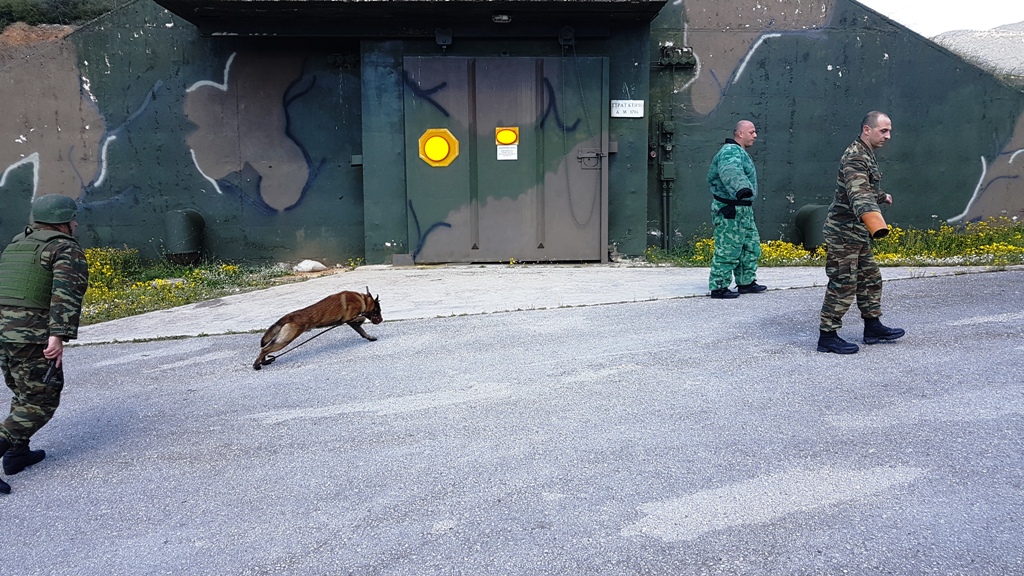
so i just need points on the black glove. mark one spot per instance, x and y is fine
(744, 193)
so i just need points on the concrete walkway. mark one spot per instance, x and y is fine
(453, 290)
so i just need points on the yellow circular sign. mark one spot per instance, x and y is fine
(436, 148)
(506, 136)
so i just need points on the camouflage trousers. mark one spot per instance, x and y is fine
(34, 403)
(737, 248)
(852, 274)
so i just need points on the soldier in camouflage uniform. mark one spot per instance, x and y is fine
(43, 278)
(733, 182)
(854, 219)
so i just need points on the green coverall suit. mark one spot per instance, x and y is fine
(733, 182)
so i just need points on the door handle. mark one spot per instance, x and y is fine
(590, 158)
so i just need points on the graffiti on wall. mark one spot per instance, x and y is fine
(540, 204)
(420, 237)
(242, 121)
(51, 124)
(729, 38)
(724, 35)
(999, 188)
(135, 116)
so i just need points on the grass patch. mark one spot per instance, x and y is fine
(993, 242)
(123, 284)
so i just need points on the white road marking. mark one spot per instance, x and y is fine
(477, 393)
(763, 500)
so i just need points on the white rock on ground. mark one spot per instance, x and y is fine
(308, 266)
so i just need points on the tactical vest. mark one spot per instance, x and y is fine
(24, 279)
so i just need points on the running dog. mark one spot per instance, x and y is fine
(346, 307)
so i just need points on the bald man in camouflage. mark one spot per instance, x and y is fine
(733, 183)
(43, 278)
(854, 219)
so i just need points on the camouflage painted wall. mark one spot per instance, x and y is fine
(806, 71)
(396, 224)
(135, 115)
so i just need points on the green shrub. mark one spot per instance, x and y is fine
(27, 11)
(993, 242)
(35, 12)
(122, 284)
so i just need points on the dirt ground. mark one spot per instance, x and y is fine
(21, 34)
(19, 37)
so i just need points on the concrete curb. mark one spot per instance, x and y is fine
(452, 290)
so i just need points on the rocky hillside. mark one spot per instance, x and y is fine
(999, 49)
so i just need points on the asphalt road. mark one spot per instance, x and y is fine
(669, 437)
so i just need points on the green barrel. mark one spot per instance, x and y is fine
(810, 223)
(183, 236)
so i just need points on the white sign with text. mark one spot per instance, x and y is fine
(508, 152)
(627, 108)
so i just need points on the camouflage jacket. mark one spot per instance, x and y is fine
(732, 170)
(70, 280)
(858, 192)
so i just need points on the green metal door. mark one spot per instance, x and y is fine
(506, 158)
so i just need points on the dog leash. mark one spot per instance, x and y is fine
(271, 357)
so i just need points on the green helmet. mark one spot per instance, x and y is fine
(53, 209)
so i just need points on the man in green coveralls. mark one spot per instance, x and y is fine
(733, 182)
(854, 219)
(43, 278)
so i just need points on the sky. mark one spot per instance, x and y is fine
(931, 17)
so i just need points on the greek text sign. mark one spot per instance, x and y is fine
(508, 152)
(627, 108)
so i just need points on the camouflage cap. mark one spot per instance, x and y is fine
(53, 209)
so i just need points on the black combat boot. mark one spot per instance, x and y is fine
(724, 293)
(831, 342)
(20, 457)
(5, 488)
(752, 288)
(875, 332)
